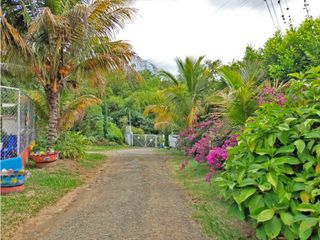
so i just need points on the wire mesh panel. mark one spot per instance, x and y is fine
(151, 140)
(16, 122)
(9, 116)
(138, 140)
(27, 131)
(146, 140)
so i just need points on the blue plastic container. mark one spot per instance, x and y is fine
(17, 177)
(13, 180)
(11, 163)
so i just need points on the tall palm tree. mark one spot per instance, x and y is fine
(193, 79)
(67, 44)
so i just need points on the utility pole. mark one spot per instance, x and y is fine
(105, 119)
(130, 121)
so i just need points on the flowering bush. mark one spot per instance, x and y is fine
(271, 95)
(219, 154)
(196, 141)
(200, 149)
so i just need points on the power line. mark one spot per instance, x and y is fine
(306, 5)
(270, 13)
(243, 4)
(282, 14)
(275, 13)
(223, 5)
(289, 16)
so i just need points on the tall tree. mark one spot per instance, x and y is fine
(191, 83)
(67, 44)
(295, 51)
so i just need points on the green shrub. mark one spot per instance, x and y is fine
(136, 130)
(41, 144)
(92, 124)
(72, 145)
(273, 175)
(114, 133)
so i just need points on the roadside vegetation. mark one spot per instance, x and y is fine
(209, 209)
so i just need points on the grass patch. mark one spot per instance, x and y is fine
(91, 160)
(94, 148)
(43, 188)
(209, 209)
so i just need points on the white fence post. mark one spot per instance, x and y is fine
(173, 140)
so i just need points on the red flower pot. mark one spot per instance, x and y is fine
(45, 158)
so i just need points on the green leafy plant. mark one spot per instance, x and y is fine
(72, 145)
(136, 130)
(92, 124)
(273, 175)
(114, 133)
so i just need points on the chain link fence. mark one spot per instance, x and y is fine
(17, 122)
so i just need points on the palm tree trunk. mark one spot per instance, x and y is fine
(52, 98)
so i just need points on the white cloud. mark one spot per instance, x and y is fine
(166, 29)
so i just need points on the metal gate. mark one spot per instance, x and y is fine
(147, 140)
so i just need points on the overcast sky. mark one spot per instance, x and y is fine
(218, 29)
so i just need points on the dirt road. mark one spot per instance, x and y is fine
(133, 197)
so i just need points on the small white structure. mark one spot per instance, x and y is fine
(128, 136)
(173, 140)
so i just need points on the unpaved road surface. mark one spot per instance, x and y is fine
(133, 198)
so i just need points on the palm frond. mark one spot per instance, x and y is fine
(11, 40)
(75, 110)
(169, 76)
(163, 117)
(115, 57)
(231, 77)
(110, 15)
(39, 100)
(48, 22)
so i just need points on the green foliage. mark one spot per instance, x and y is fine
(208, 209)
(41, 143)
(114, 133)
(128, 93)
(72, 145)
(273, 174)
(92, 125)
(295, 51)
(136, 130)
(182, 98)
(238, 99)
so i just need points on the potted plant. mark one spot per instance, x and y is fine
(44, 157)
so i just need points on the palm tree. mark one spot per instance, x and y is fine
(238, 100)
(190, 86)
(71, 108)
(66, 45)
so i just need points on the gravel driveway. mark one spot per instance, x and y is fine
(133, 198)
